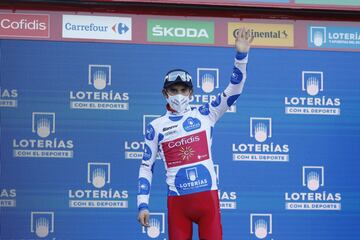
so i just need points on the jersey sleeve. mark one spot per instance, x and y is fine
(147, 167)
(224, 100)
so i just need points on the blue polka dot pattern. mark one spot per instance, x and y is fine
(143, 206)
(217, 101)
(232, 99)
(204, 109)
(175, 118)
(240, 55)
(147, 153)
(150, 132)
(236, 76)
(143, 186)
(160, 137)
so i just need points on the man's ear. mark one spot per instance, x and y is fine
(165, 93)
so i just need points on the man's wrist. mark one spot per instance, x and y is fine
(143, 206)
(241, 55)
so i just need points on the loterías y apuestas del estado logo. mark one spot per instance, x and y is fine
(99, 191)
(262, 146)
(8, 97)
(100, 96)
(313, 99)
(314, 195)
(44, 141)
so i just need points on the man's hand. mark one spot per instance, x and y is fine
(243, 40)
(143, 217)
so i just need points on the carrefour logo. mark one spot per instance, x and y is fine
(262, 149)
(261, 225)
(157, 226)
(97, 27)
(100, 96)
(102, 194)
(208, 81)
(8, 97)
(42, 224)
(315, 102)
(313, 179)
(334, 37)
(46, 144)
(120, 28)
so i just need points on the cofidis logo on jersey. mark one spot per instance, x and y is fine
(316, 197)
(97, 27)
(42, 224)
(101, 194)
(157, 227)
(259, 147)
(208, 82)
(185, 150)
(333, 37)
(227, 199)
(135, 149)
(8, 97)
(315, 102)
(261, 225)
(7, 197)
(103, 98)
(46, 144)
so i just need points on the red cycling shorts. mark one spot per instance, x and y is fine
(202, 208)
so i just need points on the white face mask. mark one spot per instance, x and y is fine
(178, 102)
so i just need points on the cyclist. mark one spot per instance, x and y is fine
(183, 138)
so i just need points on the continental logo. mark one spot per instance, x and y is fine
(274, 35)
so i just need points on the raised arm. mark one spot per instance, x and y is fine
(225, 99)
(145, 174)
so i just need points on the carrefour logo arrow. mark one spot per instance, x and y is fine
(121, 28)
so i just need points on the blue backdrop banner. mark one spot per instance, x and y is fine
(73, 116)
